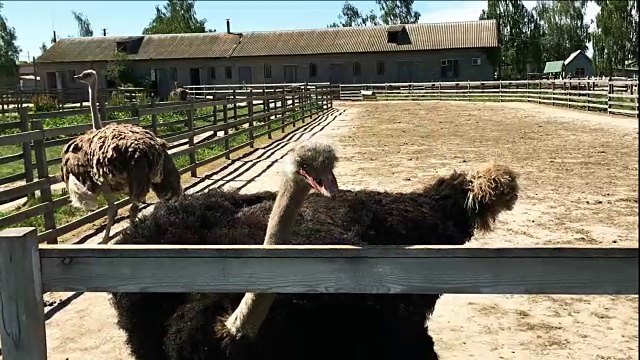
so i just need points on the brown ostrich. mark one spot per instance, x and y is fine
(311, 326)
(179, 92)
(113, 159)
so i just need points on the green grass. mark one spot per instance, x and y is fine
(67, 213)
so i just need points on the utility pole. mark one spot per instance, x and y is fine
(104, 32)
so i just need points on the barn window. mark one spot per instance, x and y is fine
(398, 34)
(380, 68)
(449, 68)
(212, 73)
(475, 61)
(121, 46)
(173, 73)
(356, 68)
(267, 71)
(579, 72)
(228, 72)
(72, 73)
(313, 70)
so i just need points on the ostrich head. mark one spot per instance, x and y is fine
(493, 188)
(89, 77)
(313, 163)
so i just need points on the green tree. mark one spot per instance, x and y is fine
(614, 39)
(84, 25)
(391, 12)
(519, 38)
(176, 17)
(397, 12)
(351, 16)
(563, 27)
(9, 51)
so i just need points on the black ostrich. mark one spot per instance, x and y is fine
(311, 326)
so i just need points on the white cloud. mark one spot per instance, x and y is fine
(470, 10)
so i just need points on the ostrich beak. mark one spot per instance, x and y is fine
(329, 187)
(76, 76)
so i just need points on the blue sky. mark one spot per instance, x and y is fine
(35, 21)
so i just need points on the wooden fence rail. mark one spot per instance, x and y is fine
(11, 100)
(256, 115)
(612, 97)
(26, 270)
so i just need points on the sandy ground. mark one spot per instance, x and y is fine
(579, 187)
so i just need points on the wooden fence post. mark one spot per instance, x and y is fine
(303, 102)
(609, 92)
(43, 173)
(225, 121)
(553, 92)
(26, 150)
(588, 94)
(266, 105)
(102, 109)
(283, 108)
(251, 122)
(135, 112)
(539, 91)
(214, 113)
(191, 127)
(294, 111)
(235, 106)
(23, 331)
(154, 118)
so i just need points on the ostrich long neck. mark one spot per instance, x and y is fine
(93, 103)
(253, 308)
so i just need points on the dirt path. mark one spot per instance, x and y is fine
(579, 186)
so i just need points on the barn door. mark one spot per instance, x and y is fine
(244, 74)
(290, 73)
(404, 72)
(336, 73)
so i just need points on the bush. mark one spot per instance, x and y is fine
(44, 103)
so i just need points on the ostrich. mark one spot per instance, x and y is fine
(312, 326)
(116, 158)
(232, 216)
(179, 92)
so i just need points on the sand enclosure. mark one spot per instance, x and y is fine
(579, 187)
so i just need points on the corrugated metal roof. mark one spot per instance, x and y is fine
(426, 36)
(169, 46)
(553, 66)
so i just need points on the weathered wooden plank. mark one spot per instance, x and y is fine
(24, 189)
(9, 125)
(23, 331)
(18, 139)
(344, 269)
(39, 209)
(12, 178)
(10, 158)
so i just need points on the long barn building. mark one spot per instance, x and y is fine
(421, 52)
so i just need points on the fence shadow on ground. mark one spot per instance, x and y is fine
(269, 150)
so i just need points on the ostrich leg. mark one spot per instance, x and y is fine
(133, 211)
(111, 214)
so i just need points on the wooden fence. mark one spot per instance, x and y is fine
(27, 269)
(248, 118)
(12, 100)
(612, 97)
